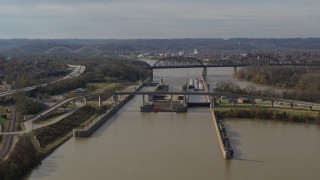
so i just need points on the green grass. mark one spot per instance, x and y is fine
(303, 112)
(50, 134)
(4, 123)
(93, 103)
(111, 79)
(2, 110)
(102, 87)
(59, 140)
(259, 104)
(50, 146)
(98, 85)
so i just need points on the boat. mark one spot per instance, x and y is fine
(201, 86)
(196, 84)
(191, 84)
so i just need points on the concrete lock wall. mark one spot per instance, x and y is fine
(87, 131)
(226, 153)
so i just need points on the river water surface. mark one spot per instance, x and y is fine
(184, 146)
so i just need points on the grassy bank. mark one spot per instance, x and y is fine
(32, 148)
(35, 146)
(106, 87)
(4, 125)
(3, 122)
(270, 114)
(21, 160)
(49, 134)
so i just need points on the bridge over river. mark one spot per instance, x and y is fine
(213, 95)
(176, 62)
(135, 145)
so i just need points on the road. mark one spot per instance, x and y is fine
(78, 70)
(30, 126)
(9, 135)
(8, 139)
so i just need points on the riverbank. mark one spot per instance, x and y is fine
(21, 160)
(303, 81)
(311, 117)
(39, 144)
(2, 127)
(46, 140)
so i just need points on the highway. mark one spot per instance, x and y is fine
(8, 138)
(78, 70)
(9, 134)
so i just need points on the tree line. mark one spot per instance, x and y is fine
(120, 71)
(303, 81)
(249, 90)
(268, 114)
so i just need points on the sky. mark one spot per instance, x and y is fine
(159, 19)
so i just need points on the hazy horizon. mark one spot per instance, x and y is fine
(226, 39)
(150, 19)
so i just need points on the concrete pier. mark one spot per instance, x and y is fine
(235, 71)
(224, 143)
(225, 147)
(95, 124)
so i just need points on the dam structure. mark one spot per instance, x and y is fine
(165, 99)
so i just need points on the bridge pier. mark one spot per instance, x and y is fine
(291, 105)
(212, 104)
(204, 73)
(143, 100)
(84, 101)
(272, 104)
(100, 101)
(171, 105)
(115, 99)
(235, 71)
(310, 108)
(151, 75)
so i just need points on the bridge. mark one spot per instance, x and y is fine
(190, 62)
(115, 95)
(255, 60)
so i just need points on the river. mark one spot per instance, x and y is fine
(183, 146)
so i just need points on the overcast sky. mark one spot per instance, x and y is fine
(159, 18)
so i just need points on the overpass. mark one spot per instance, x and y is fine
(99, 97)
(77, 71)
(115, 95)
